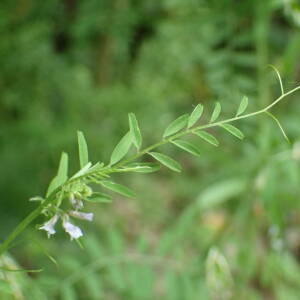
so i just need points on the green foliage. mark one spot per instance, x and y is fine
(141, 167)
(176, 125)
(187, 146)
(62, 174)
(85, 64)
(83, 150)
(243, 106)
(99, 198)
(135, 130)
(216, 112)
(166, 161)
(118, 188)
(195, 115)
(279, 125)
(233, 130)
(207, 137)
(121, 149)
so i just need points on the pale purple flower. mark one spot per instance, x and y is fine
(49, 225)
(74, 231)
(81, 215)
(76, 203)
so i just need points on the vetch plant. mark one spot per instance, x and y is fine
(73, 191)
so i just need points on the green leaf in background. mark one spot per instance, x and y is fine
(216, 112)
(142, 167)
(176, 125)
(233, 130)
(243, 106)
(121, 149)
(62, 174)
(68, 292)
(118, 188)
(167, 161)
(83, 149)
(135, 130)
(217, 271)
(220, 192)
(187, 146)
(97, 197)
(5, 287)
(195, 115)
(207, 137)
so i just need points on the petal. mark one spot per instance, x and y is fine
(49, 225)
(81, 215)
(76, 203)
(74, 231)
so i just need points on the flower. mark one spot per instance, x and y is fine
(74, 231)
(49, 225)
(81, 215)
(76, 203)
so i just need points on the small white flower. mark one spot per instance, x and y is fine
(49, 225)
(74, 231)
(81, 215)
(76, 203)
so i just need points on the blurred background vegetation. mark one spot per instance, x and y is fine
(228, 226)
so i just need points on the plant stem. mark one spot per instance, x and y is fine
(35, 213)
(191, 130)
(20, 228)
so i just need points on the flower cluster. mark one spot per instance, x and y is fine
(73, 230)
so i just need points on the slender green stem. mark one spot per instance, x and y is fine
(35, 213)
(20, 228)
